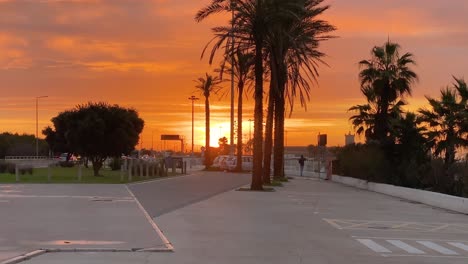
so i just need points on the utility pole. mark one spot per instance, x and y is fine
(231, 148)
(37, 124)
(193, 99)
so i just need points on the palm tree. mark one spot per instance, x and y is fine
(242, 68)
(293, 44)
(251, 24)
(447, 121)
(366, 114)
(391, 78)
(207, 86)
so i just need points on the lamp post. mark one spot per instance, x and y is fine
(193, 99)
(231, 148)
(37, 123)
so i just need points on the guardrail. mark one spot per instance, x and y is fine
(26, 157)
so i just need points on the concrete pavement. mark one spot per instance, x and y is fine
(64, 217)
(307, 221)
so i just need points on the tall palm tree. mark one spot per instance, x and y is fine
(391, 77)
(240, 64)
(293, 44)
(207, 86)
(447, 121)
(251, 24)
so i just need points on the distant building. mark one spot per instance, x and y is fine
(349, 139)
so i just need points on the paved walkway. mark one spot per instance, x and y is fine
(307, 221)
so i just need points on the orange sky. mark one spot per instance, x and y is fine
(146, 54)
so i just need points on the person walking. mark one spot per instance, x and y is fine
(301, 163)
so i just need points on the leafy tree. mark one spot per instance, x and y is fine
(447, 120)
(391, 78)
(97, 131)
(223, 146)
(207, 86)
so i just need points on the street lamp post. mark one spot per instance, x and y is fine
(37, 123)
(193, 99)
(231, 149)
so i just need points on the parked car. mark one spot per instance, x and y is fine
(247, 163)
(226, 163)
(219, 160)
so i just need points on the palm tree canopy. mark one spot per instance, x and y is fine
(208, 85)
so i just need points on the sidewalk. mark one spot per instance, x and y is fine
(307, 221)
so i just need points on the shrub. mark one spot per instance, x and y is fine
(26, 169)
(11, 167)
(366, 162)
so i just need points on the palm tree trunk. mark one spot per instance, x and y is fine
(269, 125)
(240, 87)
(278, 169)
(207, 133)
(269, 137)
(258, 112)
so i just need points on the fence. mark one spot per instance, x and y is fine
(312, 168)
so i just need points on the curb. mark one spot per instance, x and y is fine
(164, 239)
(36, 253)
(24, 257)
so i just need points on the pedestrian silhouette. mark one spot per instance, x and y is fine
(301, 163)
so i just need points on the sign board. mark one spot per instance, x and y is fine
(170, 137)
(322, 140)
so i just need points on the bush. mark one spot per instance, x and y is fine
(66, 164)
(366, 162)
(26, 169)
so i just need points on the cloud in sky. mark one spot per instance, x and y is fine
(146, 54)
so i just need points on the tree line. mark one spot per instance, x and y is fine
(406, 146)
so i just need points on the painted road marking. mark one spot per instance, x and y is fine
(436, 247)
(349, 224)
(459, 245)
(405, 247)
(374, 246)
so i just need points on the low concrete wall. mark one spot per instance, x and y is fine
(449, 202)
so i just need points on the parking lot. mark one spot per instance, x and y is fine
(56, 216)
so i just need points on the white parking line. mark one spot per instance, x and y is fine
(436, 247)
(374, 246)
(405, 247)
(459, 245)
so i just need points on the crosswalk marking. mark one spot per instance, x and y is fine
(436, 247)
(374, 246)
(459, 245)
(405, 247)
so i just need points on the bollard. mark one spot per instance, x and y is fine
(17, 173)
(130, 171)
(125, 165)
(185, 168)
(80, 172)
(173, 167)
(49, 173)
(122, 169)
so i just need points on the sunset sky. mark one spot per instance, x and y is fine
(145, 55)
